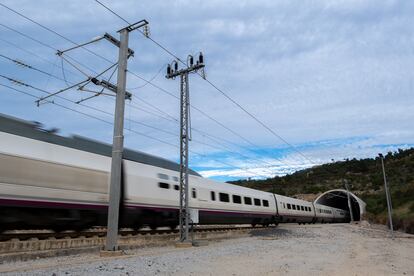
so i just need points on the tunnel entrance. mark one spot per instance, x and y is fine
(338, 199)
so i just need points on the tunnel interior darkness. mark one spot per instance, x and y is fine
(339, 199)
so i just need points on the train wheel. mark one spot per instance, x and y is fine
(59, 229)
(138, 226)
(153, 226)
(173, 226)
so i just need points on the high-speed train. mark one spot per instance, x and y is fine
(50, 181)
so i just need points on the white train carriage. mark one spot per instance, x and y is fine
(324, 214)
(153, 193)
(340, 215)
(58, 182)
(53, 181)
(294, 210)
(225, 203)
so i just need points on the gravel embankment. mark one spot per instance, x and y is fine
(337, 249)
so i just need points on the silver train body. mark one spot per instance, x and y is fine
(50, 181)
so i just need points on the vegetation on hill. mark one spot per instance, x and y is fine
(365, 179)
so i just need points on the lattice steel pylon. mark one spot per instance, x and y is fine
(172, 72)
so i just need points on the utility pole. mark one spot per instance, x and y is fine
(118, 139)
(349, 201)
(388, 196)
(172, 72)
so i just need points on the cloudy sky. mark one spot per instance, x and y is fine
(332, 78)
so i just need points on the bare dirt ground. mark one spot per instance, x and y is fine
(334, 249)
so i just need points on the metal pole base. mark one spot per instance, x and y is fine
(184, 244)
(111, 253)
(198, 243)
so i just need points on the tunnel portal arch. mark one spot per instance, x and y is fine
(338, 199)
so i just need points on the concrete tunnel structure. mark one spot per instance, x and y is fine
(338, 199)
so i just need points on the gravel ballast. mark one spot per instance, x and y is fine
(332, 249)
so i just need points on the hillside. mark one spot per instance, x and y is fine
(365, 179)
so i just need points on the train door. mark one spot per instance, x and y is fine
(202, 195)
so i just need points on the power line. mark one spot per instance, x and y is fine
(35, 55)
(110, 123)
(72, 72)
(259, 121)
(67, 39)
(50, 47)
(84, 105)
(27, 36)
(100, 110)
(43, 44)
(150, 80)
(52, 31)
(195, 108)
(206, 115)
(171, 94)
(77, 111)
(222, 92)
(25, 65)
(126, 21)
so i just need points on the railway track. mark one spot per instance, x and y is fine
(26, 245)
(101, 232)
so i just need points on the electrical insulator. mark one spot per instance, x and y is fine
(176, 66)
(191, 60)
(146, 31)
(201, 58)
(169, 69)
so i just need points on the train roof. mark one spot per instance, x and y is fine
(34, 130)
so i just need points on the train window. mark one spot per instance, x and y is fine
(288, 205)
(293, 206)
(297, 206)
(257, 202)
(247, 200)
(163, 185)
(224, 197)
(162, 176)
(213, 196)
(237, 199)
(175, 178)
(265, 203)
(301, 207)
(176, 187)
(194, 192)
